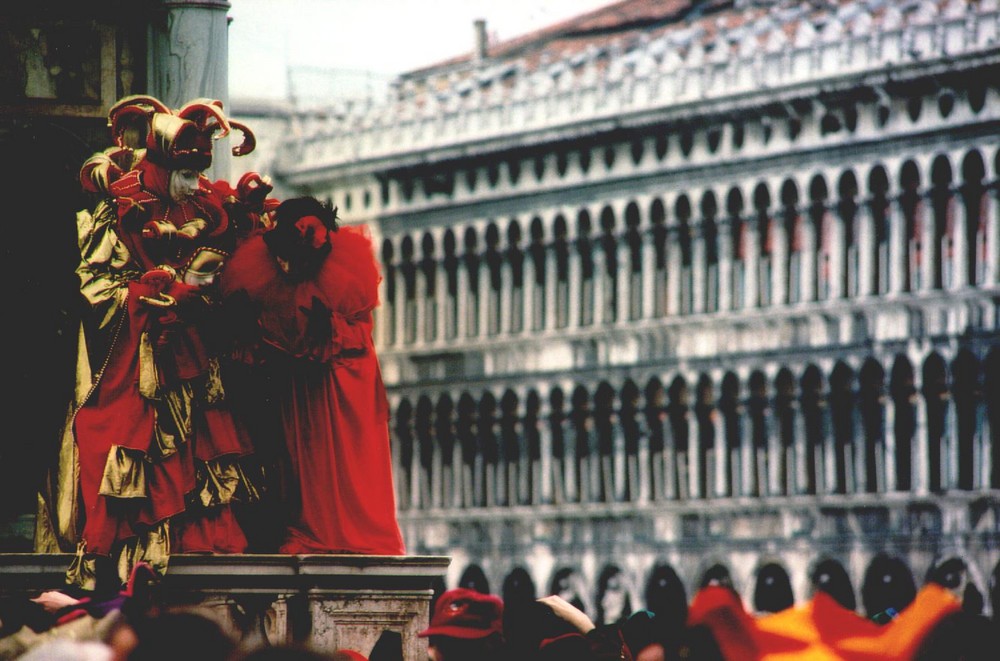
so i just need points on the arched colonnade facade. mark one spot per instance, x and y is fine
(913, 226)
(876, 425)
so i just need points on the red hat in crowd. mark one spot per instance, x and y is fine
(463, 613)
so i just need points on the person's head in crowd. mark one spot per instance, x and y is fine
(466, 624)
(529, 625)
(613, 601)
(181, 636)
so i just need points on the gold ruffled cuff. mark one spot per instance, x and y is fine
(124, 474)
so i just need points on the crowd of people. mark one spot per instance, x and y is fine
(467, 625)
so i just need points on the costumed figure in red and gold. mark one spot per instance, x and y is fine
(151, 458)
(310, 288)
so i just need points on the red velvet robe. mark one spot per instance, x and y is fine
(333, 403)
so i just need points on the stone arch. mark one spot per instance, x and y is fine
(849, 261)
(871, 400)
(612, 599)
(632, 429)
(878, 191)
(665, 596)
(609, 248)
(758, 405)
(935, 390)
(794, 243)
(586, 457)
(494, 259)
(567, 582)
(910, 205)
(813, 409)
(423, 423)
(710, 237)
(408, 270)
(738, 228)
(784, 411)
(561, 254)
(444, 434)
(405, 441)
(772, 591)
(842, 411)
(450, 264)
(518, 589)
(942, 248)
(515, 264)
(471, 260)
(474, 578)
(966, 395)
(511, 450)
(716, 573)
(541, 262)
(991, 396)
(703, 411)
(824, 240)
(658, 235)
(484, 476)
(903, 392)
(685, 239)
(765, 244)
(428, 268)
(829, 576)
(634, 240)
(730, 407)
(678, 421)
(888, 583)
(975, 205)
(585, 248)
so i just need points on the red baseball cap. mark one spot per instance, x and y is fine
(463, 613)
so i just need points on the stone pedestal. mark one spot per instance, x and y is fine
(330, 601)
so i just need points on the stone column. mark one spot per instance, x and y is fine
(694, 454)
(505, 321)
(441, 302)
(699, 270)
(575, 289)
(673, 274)
(462, 302)
(551, 289)
(864, 239)
(725, 239)
(810, 259)
(600, 280)
(834, 249)
(648, 276)
(620, 474)
(671, 489)
(188, 58)
(779, 262)
(919, 457)
(528, 290)
(798, 478)
(889, 433)
(546, 467)
(719, 478)
(926, 222)
(751, 267)
(485, 299)
(420, 301)
(960, 244)
(949, 442)
(749, 474)
(991, 271)
(898, 242)
(640, 488)
(623, 276)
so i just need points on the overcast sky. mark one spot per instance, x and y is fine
(379, 36)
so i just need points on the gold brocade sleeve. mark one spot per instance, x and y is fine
(105, 267)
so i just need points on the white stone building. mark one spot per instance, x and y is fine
(674, 288)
